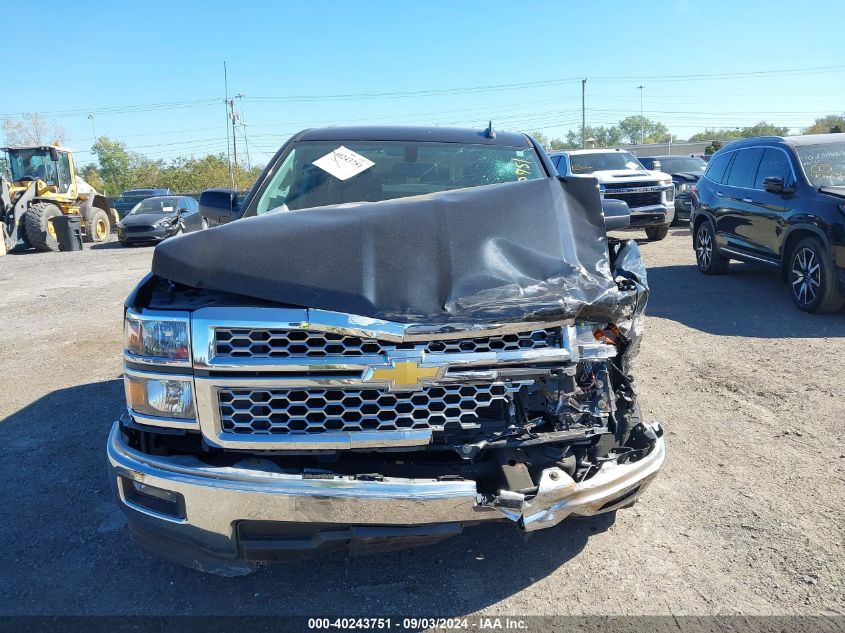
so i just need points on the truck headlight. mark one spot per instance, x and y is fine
(157, 339)
(683, 187)
(160, 396)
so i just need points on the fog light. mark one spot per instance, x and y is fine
(151, 499)
(152, 491)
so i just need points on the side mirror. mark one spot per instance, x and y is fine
(220, 205)
(774, 184)
(616, 213)
(54, 154)
(656, 166)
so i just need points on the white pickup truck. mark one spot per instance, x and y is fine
(649, 194)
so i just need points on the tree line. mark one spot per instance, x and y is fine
(634, 130)
(118, 169)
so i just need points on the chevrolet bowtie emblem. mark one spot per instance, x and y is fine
(404, 374)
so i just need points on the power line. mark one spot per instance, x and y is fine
(548, 82)
(119, 109)
(169, 105)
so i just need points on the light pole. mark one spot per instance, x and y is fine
(226, 107)
(583, 114)
(642, 121)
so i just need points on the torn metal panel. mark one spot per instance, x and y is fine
(534, 250)
(558, 495)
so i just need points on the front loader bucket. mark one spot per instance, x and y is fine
(12, 214)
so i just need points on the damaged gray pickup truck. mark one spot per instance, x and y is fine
(404, 332)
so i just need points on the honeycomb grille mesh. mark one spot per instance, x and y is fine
(274, 411)
(283, 343)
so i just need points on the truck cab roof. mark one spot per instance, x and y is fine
(431, 134)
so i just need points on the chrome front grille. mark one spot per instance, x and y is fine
(302, 379)
(277, 411)
(636, 199)
(295, 343)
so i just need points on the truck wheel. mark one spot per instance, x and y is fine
(709, 260)
(40, 232)
(812, 278)
(97, 225)
(656, 233)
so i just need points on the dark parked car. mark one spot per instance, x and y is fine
(781, 202)
(685, 172)
(155, 219)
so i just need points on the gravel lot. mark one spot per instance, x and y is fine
(745, 518)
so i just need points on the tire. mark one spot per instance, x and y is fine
(656, 233)
(40, 233)
(97, 226)
(708, 259)
(812, 278)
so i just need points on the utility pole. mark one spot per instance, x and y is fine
(241, 96)
(226, 107)
(583, 114)
(642, 120)
(234, 134)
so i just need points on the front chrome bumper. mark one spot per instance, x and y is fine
(213, 500)
(655, 215)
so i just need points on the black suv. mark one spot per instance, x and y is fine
(779, 201)
(685, 172)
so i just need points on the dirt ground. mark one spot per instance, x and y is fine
(746, 517)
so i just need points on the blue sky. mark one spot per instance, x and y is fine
(296, 63)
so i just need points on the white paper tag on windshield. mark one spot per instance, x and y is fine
(343, 163)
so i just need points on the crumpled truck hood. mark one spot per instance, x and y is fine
(532, 250)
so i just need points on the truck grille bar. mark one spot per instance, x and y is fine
(295, 379)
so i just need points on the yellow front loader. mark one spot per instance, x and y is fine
(43, 186)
